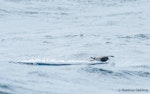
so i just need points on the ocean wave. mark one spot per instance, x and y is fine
(127, 74)
(5, 89)
(4, 86)
(3, 92)
(136, 36)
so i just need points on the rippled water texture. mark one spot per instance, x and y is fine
(46, 45)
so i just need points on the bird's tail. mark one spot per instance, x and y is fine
(92, 58)
(111, 56)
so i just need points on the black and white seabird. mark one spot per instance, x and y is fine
(102, 58)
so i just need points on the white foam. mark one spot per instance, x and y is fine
(55, 61)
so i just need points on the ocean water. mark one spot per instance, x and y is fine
(46, 45)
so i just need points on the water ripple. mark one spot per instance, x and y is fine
(137, 36)
(3, 92)
(4, 88)
(119, 74)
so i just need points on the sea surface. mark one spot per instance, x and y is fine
(46, 45)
